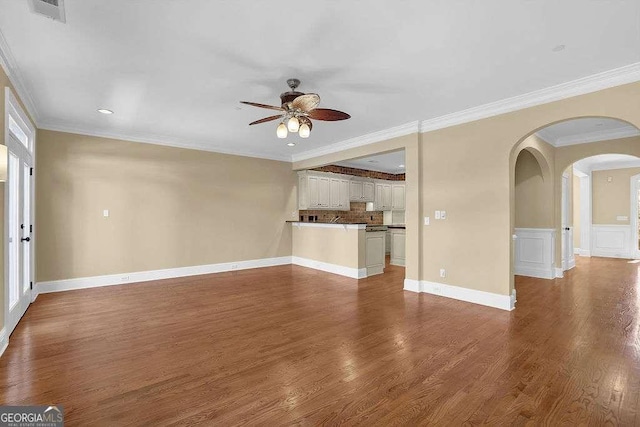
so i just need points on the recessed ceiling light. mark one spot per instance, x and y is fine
(559, 48)
(401, 166)
(104, 111)
(291, 144)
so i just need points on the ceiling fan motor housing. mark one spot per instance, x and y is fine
(287, 97)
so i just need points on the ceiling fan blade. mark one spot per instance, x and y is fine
(328, 115)
(270, 107)
(306, 102)
(266, 119)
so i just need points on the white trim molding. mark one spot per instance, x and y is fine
(611, 241)
(4, 341)
(10, 67)
(585, 138)
(503, 302)
(535, 252)
(145, 276)
(559, 273)
(354, 273)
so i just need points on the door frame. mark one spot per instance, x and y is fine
(633, 220)
(567, 258)
(15, 110)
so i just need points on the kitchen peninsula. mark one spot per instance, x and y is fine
(350, 250)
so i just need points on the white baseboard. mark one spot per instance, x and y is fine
(4, 340)
(576, 251)
(144, 276)
(412, 285)
(503, 302)
(582, 252)
(572, 263)
(354, 273)
(559, 273)
(539, 273)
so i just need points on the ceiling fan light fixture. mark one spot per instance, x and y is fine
(293, 124)
(304, 131)
(282, 131)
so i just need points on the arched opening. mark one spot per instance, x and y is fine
(575, 193)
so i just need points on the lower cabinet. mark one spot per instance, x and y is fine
(375, 252)
(397, 244)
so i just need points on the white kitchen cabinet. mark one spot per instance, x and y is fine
(374, 252)
(368, 191)
(322, 191)
(387, 242)
(339, 194)
(397, 197)
(383, 197)
(398, 244)
(361, 191)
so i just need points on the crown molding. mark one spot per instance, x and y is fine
(10, 67)
(616, 77)
(163, 140)
(371, 138)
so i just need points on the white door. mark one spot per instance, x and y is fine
(568, 261)
(19, 219)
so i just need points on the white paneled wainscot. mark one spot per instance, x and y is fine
(612, 241)
(535, 252)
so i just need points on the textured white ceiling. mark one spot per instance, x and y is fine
(388, 162)
(586, 130)
(175, 70)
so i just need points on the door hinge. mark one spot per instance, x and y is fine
(31, 228)
(31, 171)
(31, 285)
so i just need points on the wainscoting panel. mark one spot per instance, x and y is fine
(611, 241)
(535, 252)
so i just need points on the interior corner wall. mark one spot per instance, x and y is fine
(168, 207)
(533, 199)
(611, 190)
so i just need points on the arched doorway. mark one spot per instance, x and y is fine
(589, 143)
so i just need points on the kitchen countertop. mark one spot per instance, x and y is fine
(327, 222)
(397, 226)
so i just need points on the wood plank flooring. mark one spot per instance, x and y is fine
(288, 345)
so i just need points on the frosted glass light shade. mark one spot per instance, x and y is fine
(293, 125)
(282, 131)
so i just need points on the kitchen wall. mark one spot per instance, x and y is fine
(168, 207)
(361, 172)
(612, 198)
(357, 214)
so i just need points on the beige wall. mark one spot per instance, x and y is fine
(339, 246)
(612, 199)
(575, 203)
(169, 207)
(533, 201)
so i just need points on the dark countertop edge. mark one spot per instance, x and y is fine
(397, 226)
(326, 222)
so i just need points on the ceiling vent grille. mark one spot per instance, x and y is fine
(53, 9)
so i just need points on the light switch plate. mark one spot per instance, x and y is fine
(105, 213)
(443, 272)
(426, 220)
(437, 214)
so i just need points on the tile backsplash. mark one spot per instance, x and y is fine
(361, 172)
(358, 213)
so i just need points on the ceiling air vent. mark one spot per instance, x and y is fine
(53, 9)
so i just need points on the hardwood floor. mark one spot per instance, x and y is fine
(289, 345)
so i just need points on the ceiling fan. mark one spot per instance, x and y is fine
(296, 112)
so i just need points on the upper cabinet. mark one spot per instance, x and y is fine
(397, 197)
(331, 191)
(322, 191)
(383, 196)
(361, 191)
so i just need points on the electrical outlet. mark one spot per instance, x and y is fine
(443, 272)
(124, 278)
(234, 266)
